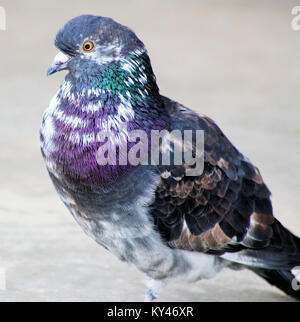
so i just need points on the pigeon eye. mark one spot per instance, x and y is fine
(88, 46)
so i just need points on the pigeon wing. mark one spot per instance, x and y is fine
(228, 201)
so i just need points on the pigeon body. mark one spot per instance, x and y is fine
(166, 223)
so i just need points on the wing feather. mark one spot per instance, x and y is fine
(227, 202)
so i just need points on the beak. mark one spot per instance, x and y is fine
(60, 62)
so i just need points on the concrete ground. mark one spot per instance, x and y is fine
(236, 61)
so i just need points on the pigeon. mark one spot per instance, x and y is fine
(170, 218)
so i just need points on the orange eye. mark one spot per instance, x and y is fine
(88, 46)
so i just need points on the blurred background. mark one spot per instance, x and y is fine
(236, 61)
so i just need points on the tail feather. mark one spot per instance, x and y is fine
(284, 280)
(282, 253)
(273, 263)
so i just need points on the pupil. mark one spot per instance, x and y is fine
(87, 46)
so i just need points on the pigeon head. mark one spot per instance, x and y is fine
(110, 89)
(87, 43)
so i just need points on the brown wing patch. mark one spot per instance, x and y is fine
(257, 177)
(214, 238)
(260, 231)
